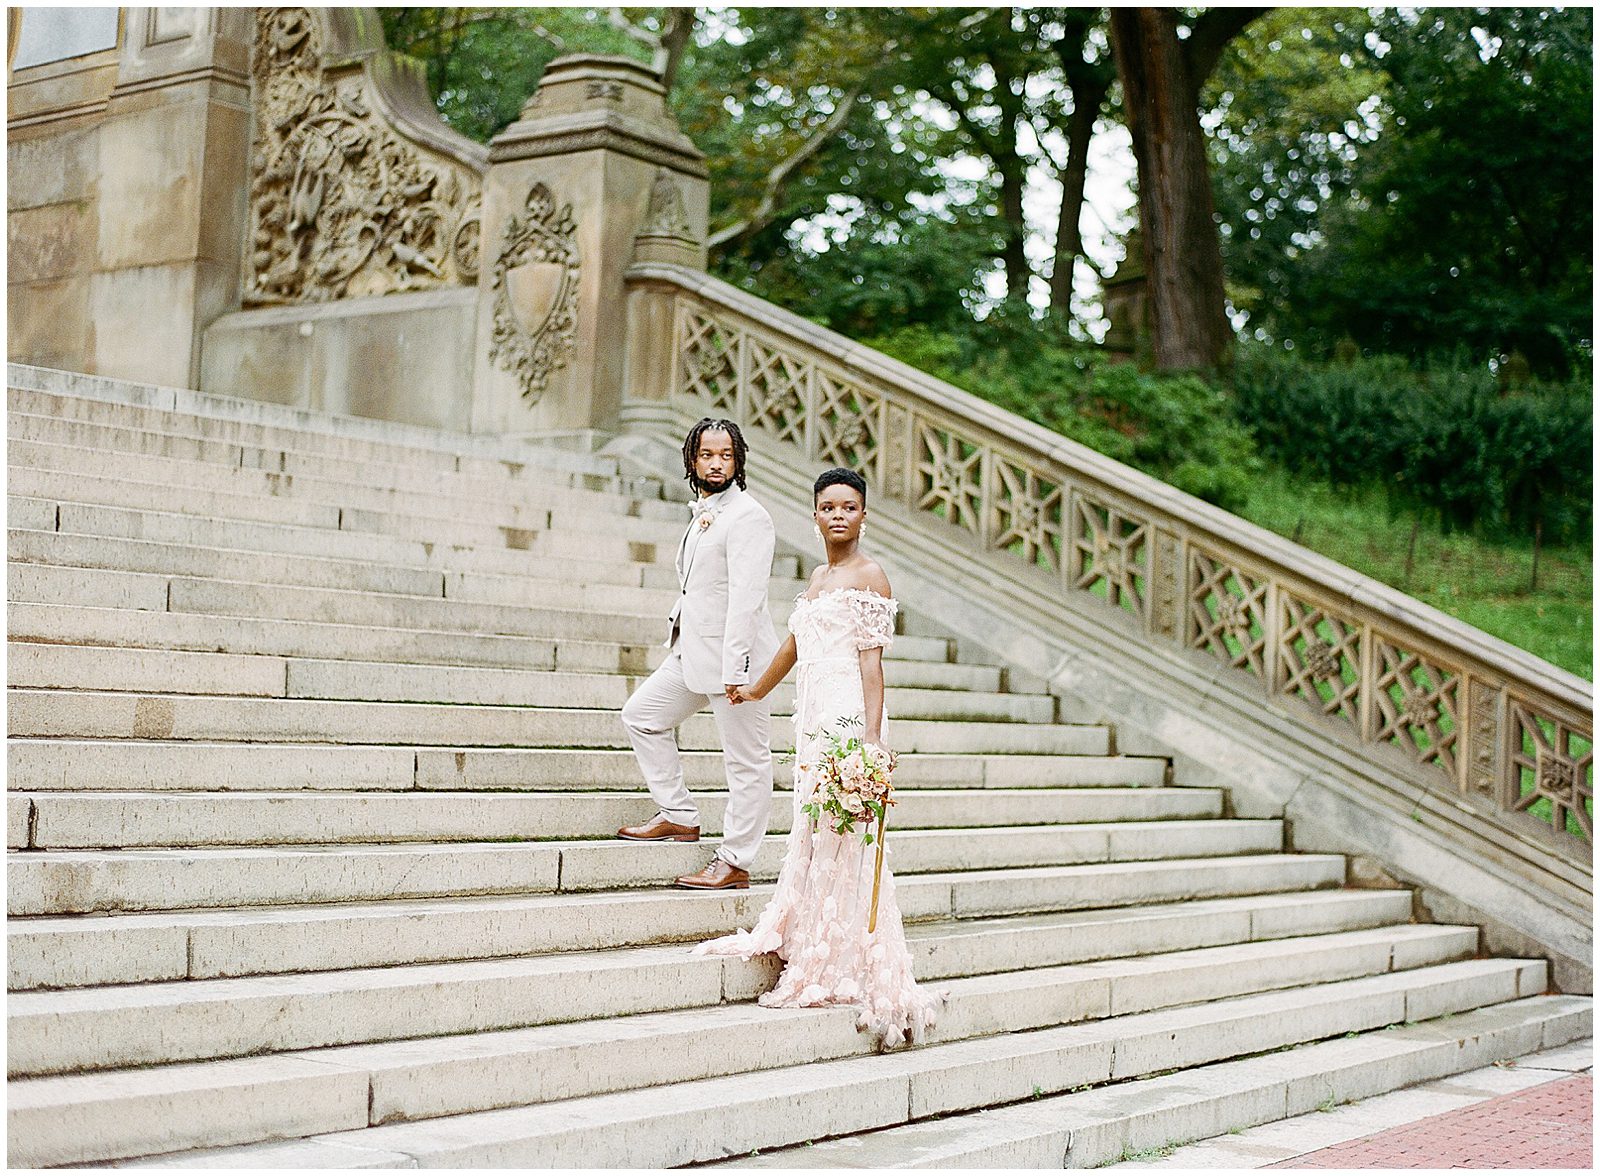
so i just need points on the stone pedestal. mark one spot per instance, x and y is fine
(594, 165)
(173, 167)
(128, 148)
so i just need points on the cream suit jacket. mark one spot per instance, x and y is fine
(720, 624)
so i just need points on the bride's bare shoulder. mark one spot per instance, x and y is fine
(870, 577)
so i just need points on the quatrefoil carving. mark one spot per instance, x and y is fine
(1557, 775)
(1321, 659)
(1418, 710)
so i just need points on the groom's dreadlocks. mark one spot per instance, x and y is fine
(691, 447)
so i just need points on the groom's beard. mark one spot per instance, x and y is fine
(711, 487)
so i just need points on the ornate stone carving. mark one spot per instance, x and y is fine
(1164, 614)
(1027, 514)
(897, 433)
(1109, 552)
(1417, 705)
(948, 476)
(847, 424)
(1552, 761)
(665, 216)
(535, 283)
(708, 353)
(340, 205)
(1358, 673)
(1319, 657)
(775, 384)
(606, 91)
(1483, 768)
(1228, 612)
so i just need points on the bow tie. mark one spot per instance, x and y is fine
(700, 505)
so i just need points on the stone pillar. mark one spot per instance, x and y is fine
(594, 162)
(173, 166)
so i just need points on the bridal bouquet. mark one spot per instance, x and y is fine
(854, 783)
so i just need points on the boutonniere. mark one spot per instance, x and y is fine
(706, 517)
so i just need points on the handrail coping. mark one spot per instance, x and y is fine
(1301, 562)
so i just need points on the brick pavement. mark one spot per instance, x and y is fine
(1545, 1126)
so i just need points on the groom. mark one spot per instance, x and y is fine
(721, 637)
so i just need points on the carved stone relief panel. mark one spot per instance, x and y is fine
(340, 205)
(897, 431)
(535, 283)
(1483, 772)
(665, 215)
(1165, 603)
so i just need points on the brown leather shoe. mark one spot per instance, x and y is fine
(719, 875)
(658, 828)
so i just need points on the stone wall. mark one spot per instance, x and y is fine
(127, 171)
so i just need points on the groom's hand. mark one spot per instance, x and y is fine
(732, 691)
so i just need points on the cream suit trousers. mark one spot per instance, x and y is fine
(651, 717)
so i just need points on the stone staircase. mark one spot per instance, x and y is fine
(314, 764)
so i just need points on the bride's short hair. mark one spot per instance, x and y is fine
(840, 476)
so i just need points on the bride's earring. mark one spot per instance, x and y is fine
(861, 534)
(817, 531)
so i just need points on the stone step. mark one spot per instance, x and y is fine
(532, 533)
(717, 1117)
(61, 624)
(606, 585)
(254, 422)
(131, 628)
(115, 765)
(90, 667)
(125, 820)
(468, 476)
(431, 1077)
(152, 1024)
(311, 542)
(472, 601)
(1096, 1127)
(524, 505)
(66, 952)
(85, 714)
(79, 882)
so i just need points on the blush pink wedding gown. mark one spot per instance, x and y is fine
(817, 919)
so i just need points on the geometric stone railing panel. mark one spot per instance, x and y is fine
(1553, 765)
(1228, 609)
(1319, 658)
(1434, 701)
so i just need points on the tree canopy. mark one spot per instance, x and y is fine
(1399, 181)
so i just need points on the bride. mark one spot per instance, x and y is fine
(817, 919)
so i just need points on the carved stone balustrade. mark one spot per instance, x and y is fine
(1408, 712)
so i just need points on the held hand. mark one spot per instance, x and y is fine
(738, 694)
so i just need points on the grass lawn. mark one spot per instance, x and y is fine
(1484, 584)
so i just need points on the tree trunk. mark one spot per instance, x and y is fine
(1183, 256)
(1013, 179)
(1086, 102)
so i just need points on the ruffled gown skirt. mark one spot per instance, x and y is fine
(817, 919)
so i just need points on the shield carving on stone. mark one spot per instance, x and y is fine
(535, 279)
